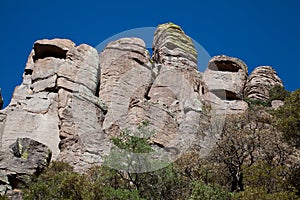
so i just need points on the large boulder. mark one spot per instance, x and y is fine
(172, 47)
(25, 159)
(260, 82)
(225, 78)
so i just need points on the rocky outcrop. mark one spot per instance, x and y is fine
(225, 78)
(164, 91)
(172, 47)
(25, 158)
(57, 103)
(74, 101)
(260, 82)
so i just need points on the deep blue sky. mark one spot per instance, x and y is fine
(260, 32)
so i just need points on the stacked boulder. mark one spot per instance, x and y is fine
(225, 78)
(260, 82)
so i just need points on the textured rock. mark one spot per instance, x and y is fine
(125, 77)
(172, 47)
(276, 104)
(166, 92)
(225, 78)
(57, 103)
(260, 82)
(74, 100)
(25, 159)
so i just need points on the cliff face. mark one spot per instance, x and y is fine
(74, 100)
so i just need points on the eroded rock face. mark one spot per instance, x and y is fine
(164, 91)
(25, 159)
(225, 78)
(260, 82)
(74, 100)
(172, 47)
(57, 103)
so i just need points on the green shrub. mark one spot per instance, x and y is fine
(256, 102)
(278, 93)
(60, 182)
(204, 191)
(288, 118)
(262, 194)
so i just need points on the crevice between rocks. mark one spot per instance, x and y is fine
(153, 77)
(226, 95)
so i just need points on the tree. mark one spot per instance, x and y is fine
(203, 191)
(245, 140)
(165, 183)
(288, 118)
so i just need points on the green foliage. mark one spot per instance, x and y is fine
(273, 179)
(249, 162)
(278, 93)
(204, 191)
(262, 194)
(4, 198)
(132, 143)
(60, 182)
(53, 183)
(288, 118)
(131, 149)
(256, 102)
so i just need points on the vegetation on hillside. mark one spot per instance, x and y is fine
(255, 158)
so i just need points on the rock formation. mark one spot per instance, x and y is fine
(164, 91)
(18, 165)
(74, 100)
(57, 104)
(225, 78)
(260, 82)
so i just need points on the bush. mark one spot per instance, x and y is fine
(262, 194)
(278, 93)
(288, 118)
(204, 191)
(60, 182)
(256, 102)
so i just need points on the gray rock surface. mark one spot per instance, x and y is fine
(25, 159)
(276, 104)
(260, 82)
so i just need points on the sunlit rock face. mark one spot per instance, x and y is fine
(225, 78)
(260, 82)
(74, 99)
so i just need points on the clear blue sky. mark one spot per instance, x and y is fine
(260, 32)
